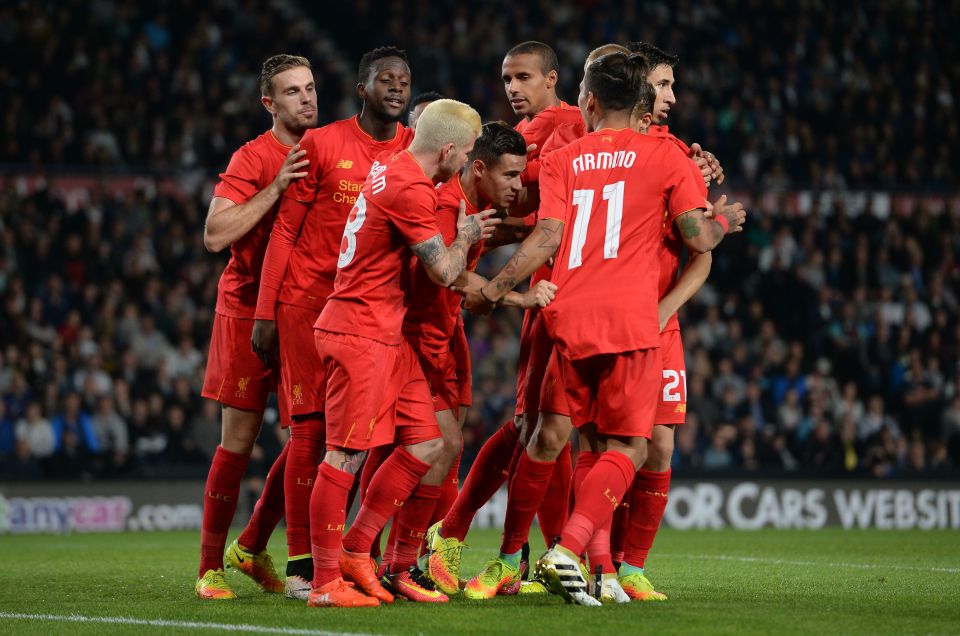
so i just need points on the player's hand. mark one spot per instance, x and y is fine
(708, 212)
(734, 213)
(532, 148)
(475, 227)
(663, 316)
(709, 166)
(291, 169)
(473, 283)
(540, 295)
(265, 341)
(475, 301)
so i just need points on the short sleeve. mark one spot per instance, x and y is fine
(539, 130)
(305, 190)
(553, 190)
(685, 185)
(414, 213)
(241, 181)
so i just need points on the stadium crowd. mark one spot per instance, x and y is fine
(824, 344)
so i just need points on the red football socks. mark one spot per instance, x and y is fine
(268, 511)
(306, 450)
(598, 551)
(375, 459)
(597, 498)
(647, 503)
(586, 460)
(219, 505)
(527, 489)
(388, 491)
(620, 526)
(555, 507)
(411, 523)
(448, 491)
(487, 474)
(328, 514)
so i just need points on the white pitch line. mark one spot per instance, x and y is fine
(857, 566)
(121, 620)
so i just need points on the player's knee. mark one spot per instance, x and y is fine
(239, 430)
(659, 451)
(429, 451)
(452, 443)
(549, 439)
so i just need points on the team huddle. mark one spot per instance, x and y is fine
(353, 254)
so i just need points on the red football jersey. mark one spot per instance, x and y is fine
(543, 125)
(434, 311)
(252, 168)
(396, 208)
(302, 259)
(672, 249)
(664, 132)
(613, 189)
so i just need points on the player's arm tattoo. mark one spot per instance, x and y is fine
(536, 250)
(352, 462)
(431, 251)
(689, 226)
(443, 264)
(699, 233)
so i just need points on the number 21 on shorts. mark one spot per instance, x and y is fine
(671, 385)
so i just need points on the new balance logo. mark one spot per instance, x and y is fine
(346, 164)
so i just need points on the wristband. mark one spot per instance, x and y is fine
(724, 223)
(492, 302)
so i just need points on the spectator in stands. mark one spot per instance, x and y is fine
(36, 433)
(113, 438)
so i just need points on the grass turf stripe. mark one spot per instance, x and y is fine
(120, 620)
(821, 564)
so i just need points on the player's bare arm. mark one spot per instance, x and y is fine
(444, 264)
(536, 250)
(511, 230)
(228, 221)
(691, 279)
(702, 234)
(540, 295)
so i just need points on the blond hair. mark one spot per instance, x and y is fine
(605, 49)
(446, 121)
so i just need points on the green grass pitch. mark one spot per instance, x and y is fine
(719, 582)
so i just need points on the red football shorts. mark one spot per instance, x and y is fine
(300, 368)
(461, 353)
(616, 391)
(672, 404)
(553, 396)
(375, 393)
(535, 348)
(440, 370)
(235, 376)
